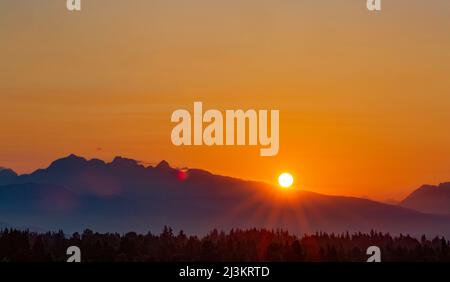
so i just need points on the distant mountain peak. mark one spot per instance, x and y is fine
(432, 188)
(163, 165)
(444, 185)
(68, 162)
(430, 199)
(97, 162)
(6, 172)
(7, 176)
(121, 161)
(72, 157)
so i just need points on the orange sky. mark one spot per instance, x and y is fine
(363, 97)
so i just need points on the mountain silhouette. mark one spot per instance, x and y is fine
(74, 193)
(7, 176)
(430, 199)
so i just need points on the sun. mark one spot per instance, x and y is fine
(285, 180)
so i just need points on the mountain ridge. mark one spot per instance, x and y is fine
(429, 199)
(74, 193)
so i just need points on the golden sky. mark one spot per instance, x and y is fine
(364, 98)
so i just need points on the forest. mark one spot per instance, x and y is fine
(252, 245)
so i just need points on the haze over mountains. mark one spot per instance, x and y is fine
(74, 193)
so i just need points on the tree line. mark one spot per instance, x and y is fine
(254, 245)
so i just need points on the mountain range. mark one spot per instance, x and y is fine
(74, 193)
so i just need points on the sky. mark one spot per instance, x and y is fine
(363, 97)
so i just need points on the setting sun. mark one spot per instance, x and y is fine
(285, 180)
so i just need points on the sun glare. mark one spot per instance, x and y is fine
(285, 180)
